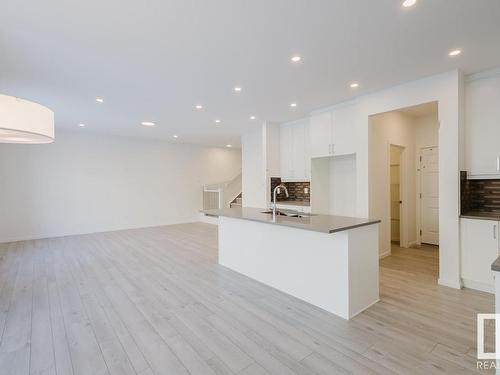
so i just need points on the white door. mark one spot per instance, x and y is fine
(429, 198)
(321, 134)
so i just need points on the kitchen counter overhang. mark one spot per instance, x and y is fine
(312, 222)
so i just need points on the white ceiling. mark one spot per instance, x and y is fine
(154, 60)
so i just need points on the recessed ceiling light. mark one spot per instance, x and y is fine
(99, 100)
(455, 52)
(175, 136)
(198, 106)
(354, 85)
(296, 58)
(229, 145)
(81, 125)
(293, 105)
(237, 89)
(252, 117)
(409, 3)
(148, 123)
(217, 121)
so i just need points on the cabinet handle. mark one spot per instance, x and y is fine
(494, 231)
(498, 164)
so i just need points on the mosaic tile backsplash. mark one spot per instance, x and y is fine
(479, 195)
(295, 190)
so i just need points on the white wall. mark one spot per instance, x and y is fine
(447, 90)
(91, 183)
(253, 168)
(392, 128)
(426, 131)
(342, 173)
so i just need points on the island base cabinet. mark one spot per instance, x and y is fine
(479, 249)
(337, 272)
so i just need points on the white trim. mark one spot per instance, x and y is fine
(363, 309)
(31, 237)
(209, 219)
(332, 107)
(450, 284)
(385, 254)
(413, 243)
(482, 75)
(484, 287)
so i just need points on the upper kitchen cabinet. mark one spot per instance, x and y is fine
(343, 130)
(294, 151)
(332, 132)
(482, 127)
(320, 131)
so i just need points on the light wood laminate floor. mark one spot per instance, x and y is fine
(154, 301)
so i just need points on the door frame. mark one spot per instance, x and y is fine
(403, 192)
(419, 191)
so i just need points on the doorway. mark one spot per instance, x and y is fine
(395, 165)
(403, 168)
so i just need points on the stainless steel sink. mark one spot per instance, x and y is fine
(287, 213)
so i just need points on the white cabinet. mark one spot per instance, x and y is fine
(294, 152)
(286, 152)
(479, 248)
(344, 130)
(320, 130)
(482, 127)
(333, 133)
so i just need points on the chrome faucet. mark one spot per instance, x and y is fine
(277, 189)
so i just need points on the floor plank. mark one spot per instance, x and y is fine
(154, 301)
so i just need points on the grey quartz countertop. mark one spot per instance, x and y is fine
(293, 203)
(484, 215)
(316, 223)
(495, 266)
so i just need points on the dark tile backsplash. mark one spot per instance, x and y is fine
(479, 195)
(295, 190)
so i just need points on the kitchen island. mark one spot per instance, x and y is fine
(328, 261)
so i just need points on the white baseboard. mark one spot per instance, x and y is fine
(364, 308)
(483, 287)
(450, 284)
(385, 254)
(413, 244)
(41, 236)
(209, 219)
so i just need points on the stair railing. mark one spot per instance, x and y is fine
(222, 194)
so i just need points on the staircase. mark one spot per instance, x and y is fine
(237, 201)
(223, 195)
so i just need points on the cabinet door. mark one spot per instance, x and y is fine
(479, 248)
(298, 151)
(320, 131)
(286, 152)
(482, 119)
(307, 151)
(343, 130)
